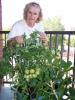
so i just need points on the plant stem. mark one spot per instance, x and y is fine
(52, 86)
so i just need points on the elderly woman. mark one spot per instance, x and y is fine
(31, 22)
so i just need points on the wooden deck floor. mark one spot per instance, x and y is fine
(6, 93)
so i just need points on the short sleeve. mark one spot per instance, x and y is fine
(16, 30)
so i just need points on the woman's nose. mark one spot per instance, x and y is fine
(32, 16)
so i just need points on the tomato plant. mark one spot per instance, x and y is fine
(39, 71)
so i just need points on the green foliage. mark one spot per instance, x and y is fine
(73, 41)
(53, 24)
(4, 67)
(5, 64)
(39, 71)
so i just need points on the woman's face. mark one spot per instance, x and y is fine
(32, 15)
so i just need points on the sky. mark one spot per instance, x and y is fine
(12, 10)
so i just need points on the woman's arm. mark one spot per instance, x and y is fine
(43, 38)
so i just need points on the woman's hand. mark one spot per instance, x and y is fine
(19, 39)
(43, 37)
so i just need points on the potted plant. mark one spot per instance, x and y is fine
(39, 72)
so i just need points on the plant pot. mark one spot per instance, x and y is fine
(18, 95)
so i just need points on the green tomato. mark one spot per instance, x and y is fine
(27, 79)
(27, 76)
(26, 71)
(37, 72)
(32, 71)
(34, 75)
(30, 76)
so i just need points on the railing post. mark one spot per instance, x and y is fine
(74, 56)
(50, 41)
(1, 47)
(74, 71)
(1, 44)
(62, 46)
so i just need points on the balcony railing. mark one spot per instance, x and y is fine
(58, 40)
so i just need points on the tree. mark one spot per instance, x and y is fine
(53, 24)
(46, 23)
(56, 24)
